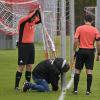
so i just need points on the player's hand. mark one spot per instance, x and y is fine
(98, 58)
(37, 10)
(39, 6)
(33, 10)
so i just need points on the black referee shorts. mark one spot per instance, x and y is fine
(26, 53)
(85, 57)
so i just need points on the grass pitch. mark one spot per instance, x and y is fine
(8, 67)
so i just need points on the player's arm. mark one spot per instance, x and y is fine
(55, 78)
(76, 44)
(27, 17)
(54, 83)
(30, 17)
(98, 49)
(76, 40)
(38, 17)
(97, 44)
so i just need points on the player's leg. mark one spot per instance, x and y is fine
(30, 61)
(89, 81)
(21, 64)
(78, 66)
(18, 76)
(28, 72)
(76, 80)
(40, 85)
(89, 67)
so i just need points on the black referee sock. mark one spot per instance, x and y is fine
(89, 81)
(17, 79)
(28, 76)
(76, 81)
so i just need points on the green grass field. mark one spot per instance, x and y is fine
(8, 67)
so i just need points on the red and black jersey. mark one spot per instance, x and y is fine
(27, 28)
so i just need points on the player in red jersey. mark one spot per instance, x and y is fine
(26, 51)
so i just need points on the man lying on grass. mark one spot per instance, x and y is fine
(45, 73)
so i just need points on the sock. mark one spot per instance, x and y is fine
(89, 81)
(28, 76)
(17, 79)
(76, 80)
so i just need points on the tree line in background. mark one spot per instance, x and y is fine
(79, 10)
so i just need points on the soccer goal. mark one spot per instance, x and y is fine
(11, 11)
(58, 22)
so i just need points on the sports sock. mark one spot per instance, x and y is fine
(17, 78)
(28, 76)
(76, 81)
(89, 81)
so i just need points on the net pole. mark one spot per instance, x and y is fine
(72, 30)
(63, 46)
(63, 40)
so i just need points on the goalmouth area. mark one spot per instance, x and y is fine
(59, 20)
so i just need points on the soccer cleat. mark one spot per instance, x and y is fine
(26, 86)
(16, 89)
(88, 92)
(75, 92)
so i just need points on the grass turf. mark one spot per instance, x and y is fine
(8, 67)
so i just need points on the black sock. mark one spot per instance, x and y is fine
(89, 81)
(28, 76)
(17, 79)
(76, 80)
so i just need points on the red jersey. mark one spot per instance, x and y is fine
(87, 35)
(27, 29)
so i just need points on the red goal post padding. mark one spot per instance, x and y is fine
(16, 0)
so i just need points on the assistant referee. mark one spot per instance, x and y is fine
(84, 39)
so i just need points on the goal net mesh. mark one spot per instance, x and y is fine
(12, 10)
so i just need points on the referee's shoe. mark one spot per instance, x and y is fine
(87, 93)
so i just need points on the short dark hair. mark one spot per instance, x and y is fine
(88, 18)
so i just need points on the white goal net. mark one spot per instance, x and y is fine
(12, 10)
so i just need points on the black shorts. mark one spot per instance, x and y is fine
(85, 57)
(26, 53)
